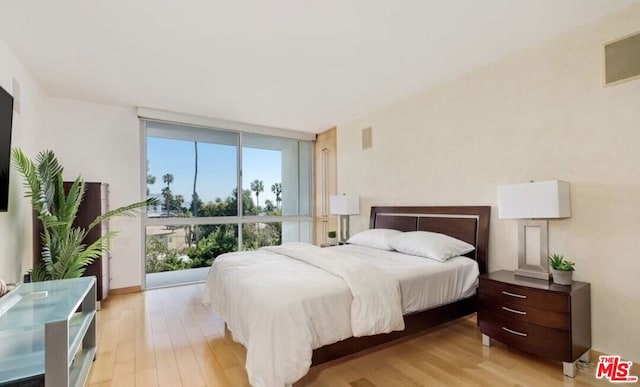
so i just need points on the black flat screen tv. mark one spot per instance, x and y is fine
(6, 120)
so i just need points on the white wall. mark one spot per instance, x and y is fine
(99, 142)
(15, 224)
(540, 114)
(102, 143)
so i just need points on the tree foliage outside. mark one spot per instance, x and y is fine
(203, 243)
(257, 186)
(276, 188)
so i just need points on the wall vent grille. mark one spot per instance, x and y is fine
(622, 59)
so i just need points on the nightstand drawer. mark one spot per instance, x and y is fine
(519, 295)
(520, 311)
(546, 342)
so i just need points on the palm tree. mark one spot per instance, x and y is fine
(257, 186)
(276, 188)
(166, 192)
(167, 179)
(64, 255)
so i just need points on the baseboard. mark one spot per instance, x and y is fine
(127, 290)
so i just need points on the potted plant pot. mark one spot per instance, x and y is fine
(331, 238)
(562, 277)
(561, 269)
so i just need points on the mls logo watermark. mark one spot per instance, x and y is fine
(614, 369)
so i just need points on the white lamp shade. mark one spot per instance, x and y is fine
(344, 205)
(540, 199)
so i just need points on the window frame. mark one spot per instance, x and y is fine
(240, 219)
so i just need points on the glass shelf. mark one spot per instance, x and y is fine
(33, 308)
(62, 300)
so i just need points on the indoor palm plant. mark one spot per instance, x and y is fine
(64, 255)
(561, 269)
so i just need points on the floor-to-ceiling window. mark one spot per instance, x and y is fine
(196, 175)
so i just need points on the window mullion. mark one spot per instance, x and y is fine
(240, 193)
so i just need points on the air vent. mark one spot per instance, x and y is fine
(367, 138)
(622, 59)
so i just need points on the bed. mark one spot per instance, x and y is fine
(291, 313)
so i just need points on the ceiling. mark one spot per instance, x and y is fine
(296, 64)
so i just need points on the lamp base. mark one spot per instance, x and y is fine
(532, 271)
(533, 249)
(344, 228)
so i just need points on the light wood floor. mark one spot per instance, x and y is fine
(165, 337)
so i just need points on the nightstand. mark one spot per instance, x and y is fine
(540, 317)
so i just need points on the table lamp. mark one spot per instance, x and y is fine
(344, 206)
(535, 202)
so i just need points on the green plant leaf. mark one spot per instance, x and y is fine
(558, 262)
(128, 210)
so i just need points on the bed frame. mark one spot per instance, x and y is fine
(468, 223)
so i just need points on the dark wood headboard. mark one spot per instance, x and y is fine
(467, 223)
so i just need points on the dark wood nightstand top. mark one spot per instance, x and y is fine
(508, 277)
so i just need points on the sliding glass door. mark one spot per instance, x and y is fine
(196, 174)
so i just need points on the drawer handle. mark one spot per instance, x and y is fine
(513, 294)
(514, 332)
(513, 310)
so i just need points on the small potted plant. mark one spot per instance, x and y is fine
(331, 238)
(561, 269)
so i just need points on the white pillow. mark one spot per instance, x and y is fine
(439, 247)
(377, 238)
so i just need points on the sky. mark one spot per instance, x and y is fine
(217, 169)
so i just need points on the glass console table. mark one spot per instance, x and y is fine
(44, 339)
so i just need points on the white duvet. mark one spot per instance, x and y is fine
(283, 302)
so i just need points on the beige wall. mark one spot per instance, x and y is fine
(540, 114)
